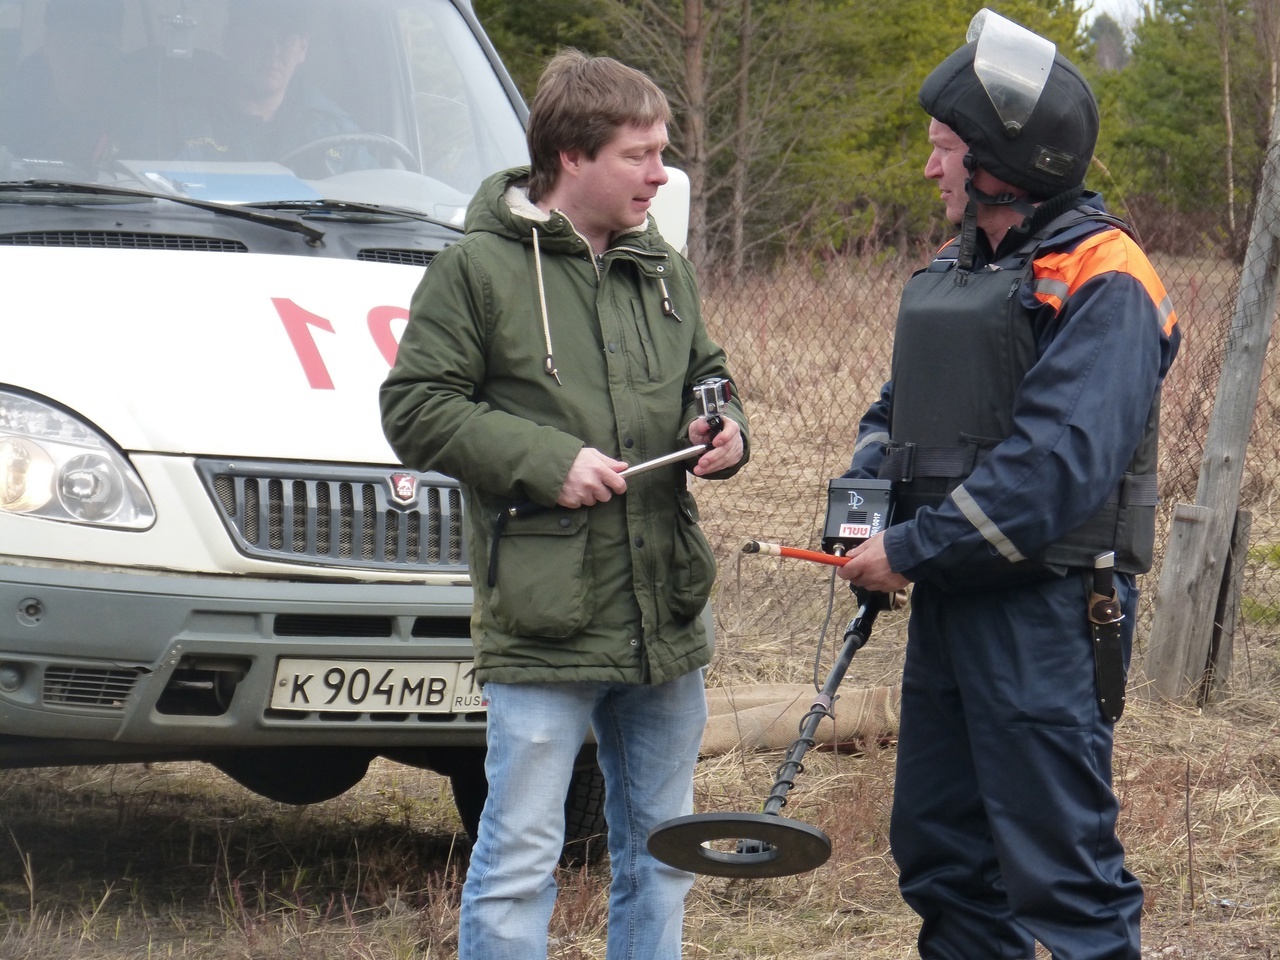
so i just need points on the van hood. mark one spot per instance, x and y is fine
(213, 354)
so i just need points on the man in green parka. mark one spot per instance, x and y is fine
(556, 344)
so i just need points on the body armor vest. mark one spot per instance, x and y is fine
(960, 352)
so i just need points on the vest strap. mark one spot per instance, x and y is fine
(905, 462)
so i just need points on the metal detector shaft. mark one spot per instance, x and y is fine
(767, 844)
(855, 636)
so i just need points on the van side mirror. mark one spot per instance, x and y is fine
(670, 208)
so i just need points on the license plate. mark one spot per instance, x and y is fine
(376, 686)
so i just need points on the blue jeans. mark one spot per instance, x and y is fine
(648, 739)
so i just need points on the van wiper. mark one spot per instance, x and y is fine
(373, 211)
(314, 235)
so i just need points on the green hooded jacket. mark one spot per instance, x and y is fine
(610, 592)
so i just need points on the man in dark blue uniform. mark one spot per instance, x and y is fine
(1019, 427)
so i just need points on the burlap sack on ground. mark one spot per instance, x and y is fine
(754, 717)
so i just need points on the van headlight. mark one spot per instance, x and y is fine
(59, 468)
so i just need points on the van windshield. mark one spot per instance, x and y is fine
(388, 102)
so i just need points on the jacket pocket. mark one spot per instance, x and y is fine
(651, 366)
(543, 585)
(693, 565)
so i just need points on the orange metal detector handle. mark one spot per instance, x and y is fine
(774, 550)
(896, 600)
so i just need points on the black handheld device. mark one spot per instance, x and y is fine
(856, 511)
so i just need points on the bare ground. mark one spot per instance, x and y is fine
(174, 860)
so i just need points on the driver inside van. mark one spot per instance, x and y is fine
(263, 109)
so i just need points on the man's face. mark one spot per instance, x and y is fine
(946, 165)
(266, 57)
(613, 191)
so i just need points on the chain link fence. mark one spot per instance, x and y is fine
(810, 343)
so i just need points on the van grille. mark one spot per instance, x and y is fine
(124, 241)
(316, 514)
(88, 686)
(410, 258)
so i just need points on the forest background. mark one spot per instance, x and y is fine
(797, 120)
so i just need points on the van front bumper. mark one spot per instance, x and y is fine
(104, 665)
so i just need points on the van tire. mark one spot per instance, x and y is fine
(584, 820)
(585, 830)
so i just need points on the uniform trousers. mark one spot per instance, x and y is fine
(1004, 818)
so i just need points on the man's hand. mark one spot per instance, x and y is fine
(868, 567)
(727, 446)
(593, 478)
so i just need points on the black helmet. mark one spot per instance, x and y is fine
(1045, 152)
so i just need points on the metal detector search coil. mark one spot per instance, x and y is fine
(767, 844)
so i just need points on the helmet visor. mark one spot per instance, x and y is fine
(1013, 65)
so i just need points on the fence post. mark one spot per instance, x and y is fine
(1187, 564)
(1222, 646)
(1182, 632)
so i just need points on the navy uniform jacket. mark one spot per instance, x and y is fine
(1105, 337)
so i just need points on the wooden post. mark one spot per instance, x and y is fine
(1192, 562)
(1186, 563)
(1222, 648)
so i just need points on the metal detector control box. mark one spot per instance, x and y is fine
(856, 511)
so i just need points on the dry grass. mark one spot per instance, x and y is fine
(176, 861)
(173, 860)
(1200, 820)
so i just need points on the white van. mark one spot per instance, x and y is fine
(213, 214)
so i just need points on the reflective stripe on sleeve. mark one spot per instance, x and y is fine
(990, 532)
(1047, 290)
(1058, 275)
(878, 437)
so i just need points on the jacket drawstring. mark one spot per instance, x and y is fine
(549, 364)
(668, 307)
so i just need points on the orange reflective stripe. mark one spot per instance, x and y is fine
(1058, 275)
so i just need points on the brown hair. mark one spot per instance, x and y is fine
(580, 103)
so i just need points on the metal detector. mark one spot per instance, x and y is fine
(767, 844)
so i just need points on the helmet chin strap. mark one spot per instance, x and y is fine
(969, 224)
(1021, 204)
